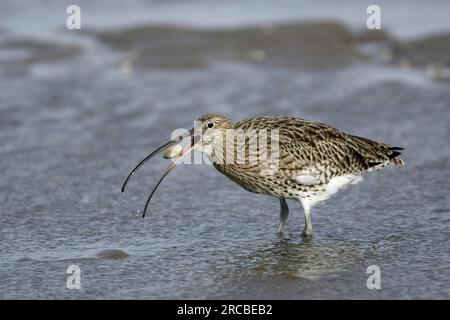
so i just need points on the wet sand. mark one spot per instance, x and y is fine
(75, 116)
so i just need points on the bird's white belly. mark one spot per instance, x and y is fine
(341, 182)
(333, 186)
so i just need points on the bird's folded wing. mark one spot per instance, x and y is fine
(312, 163)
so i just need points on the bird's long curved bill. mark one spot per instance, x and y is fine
(154, 153)
(186, 151)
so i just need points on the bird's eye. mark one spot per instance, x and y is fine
(210, 125)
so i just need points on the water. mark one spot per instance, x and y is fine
(78, 111)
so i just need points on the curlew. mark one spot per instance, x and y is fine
(303, 160)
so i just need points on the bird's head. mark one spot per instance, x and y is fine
(207, 129)
(211, 128)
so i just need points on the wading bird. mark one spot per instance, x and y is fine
(314, 160)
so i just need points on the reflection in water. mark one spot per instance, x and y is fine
(309, 259)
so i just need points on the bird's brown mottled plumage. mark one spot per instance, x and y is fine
(313, 146)
(305, 148)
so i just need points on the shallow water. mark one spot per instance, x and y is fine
(77, 113)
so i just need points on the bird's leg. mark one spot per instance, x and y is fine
(283, 214)
(307, 231)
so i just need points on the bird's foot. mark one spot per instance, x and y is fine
(307, 233)
(280, 228)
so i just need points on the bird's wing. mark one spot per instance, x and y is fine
(313, 153)
(309, 152)
(324, 152)
(314, 162)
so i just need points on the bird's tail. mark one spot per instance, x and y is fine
(376, 154)
(393, 154)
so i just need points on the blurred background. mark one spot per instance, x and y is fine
(79, 108)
